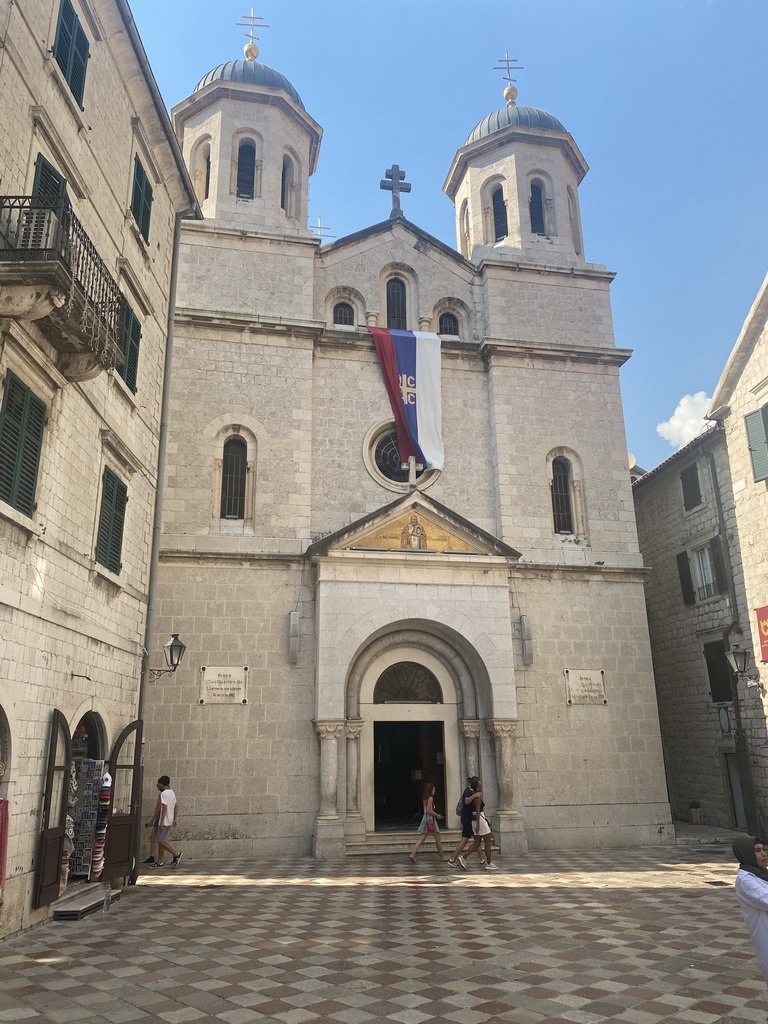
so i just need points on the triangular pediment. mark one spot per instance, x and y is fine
(414, 524)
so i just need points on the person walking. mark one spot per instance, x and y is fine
(467, 833)
(428, 825)
(751, 887)
(481, 826)
(164, 818)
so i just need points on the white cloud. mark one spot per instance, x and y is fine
(686, 421)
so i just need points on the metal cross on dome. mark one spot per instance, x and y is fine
(251, 21)
(394, 182)
(507, 63)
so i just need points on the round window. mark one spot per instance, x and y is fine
(387, 458)
(381, 456)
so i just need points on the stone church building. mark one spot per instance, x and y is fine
(355, 628)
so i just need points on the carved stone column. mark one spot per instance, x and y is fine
(372, 317)
(507, 822)
(425, 323)
(353, 768)
(329, 733)
(470, 730)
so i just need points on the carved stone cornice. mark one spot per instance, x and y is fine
(354, 729)
(329, 730)
(470, 728)
(502, 726)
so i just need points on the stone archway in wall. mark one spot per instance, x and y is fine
(414, 699)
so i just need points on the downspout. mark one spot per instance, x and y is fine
(154, 557)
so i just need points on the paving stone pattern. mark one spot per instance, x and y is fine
(622, 935)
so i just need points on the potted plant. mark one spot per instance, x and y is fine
(694, 812)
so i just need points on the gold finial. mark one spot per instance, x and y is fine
(510, 93)
(249, 21)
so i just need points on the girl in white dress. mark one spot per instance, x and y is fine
(752, 893)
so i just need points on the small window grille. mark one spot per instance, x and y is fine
(561, 496)
(246, 170)
(499, 215)
(343, 314)
(449, 324)
(536, 206)
(396, 313)
(233, 474)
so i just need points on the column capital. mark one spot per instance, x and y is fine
(502, 726)
(353, 729)
(470, 728)
(329, 730)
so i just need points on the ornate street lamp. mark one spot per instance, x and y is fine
(174, 652)
(738, 660)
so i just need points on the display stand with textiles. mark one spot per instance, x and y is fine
(102, 818)
(88, 774)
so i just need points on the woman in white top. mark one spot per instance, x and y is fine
(752, 893)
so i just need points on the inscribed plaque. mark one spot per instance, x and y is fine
(585, 686)
(223, 685)
(762, 631)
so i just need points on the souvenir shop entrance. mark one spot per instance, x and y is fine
(90, 806)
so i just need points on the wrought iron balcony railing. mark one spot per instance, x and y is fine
(41, 240)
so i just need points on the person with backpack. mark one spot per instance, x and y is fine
(465, 810)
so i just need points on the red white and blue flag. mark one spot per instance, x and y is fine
(410, 365)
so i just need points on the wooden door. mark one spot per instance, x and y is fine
(54, 813)
(123, 822)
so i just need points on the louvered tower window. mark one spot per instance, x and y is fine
(343, 314)
(22, 421)
(561, 496)
(286, 186)
(536, 206)
(499, 209)
(233, 473)
(396, 314)
(246, 170)
(109, 539)
(449, 324)
(131, 342)
(70, 49)
(141, 200)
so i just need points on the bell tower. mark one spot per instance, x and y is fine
(514, 184)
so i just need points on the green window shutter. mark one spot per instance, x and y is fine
(22, 422)
(131, 342)
(141, 201)
(758, 444)
(48, 182)
(718, 565)
(109, 540)
(71, 49)
(686, 581)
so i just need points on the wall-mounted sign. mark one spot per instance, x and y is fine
(224, 684)
(762, 631)
(585, 686)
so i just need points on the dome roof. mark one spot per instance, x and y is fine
(252, 73)
(524, 117)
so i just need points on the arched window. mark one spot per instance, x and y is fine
(536, 206)
(201, 171)
(464, 229)
(574, 222)
(233, 473)
(449, 324)
(344, 314)
(499, 209)
(562, 509)
(396, 313)
(286, 186)
(246, 170)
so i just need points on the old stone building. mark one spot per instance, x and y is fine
(356, 628)
(93, 184)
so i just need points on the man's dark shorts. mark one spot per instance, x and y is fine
(466, 828)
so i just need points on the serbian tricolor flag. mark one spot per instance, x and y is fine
(410, 365)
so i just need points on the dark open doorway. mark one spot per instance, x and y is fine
(406, 756)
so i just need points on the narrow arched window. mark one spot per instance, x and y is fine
(464, 229)
(343, 314)
(574, 222)
(233, 471)
(207, 169)
(246, 169)
(449, 324)
(286, 186)
(536, 205)
(562, 509)
(396, 315)
(499, 208)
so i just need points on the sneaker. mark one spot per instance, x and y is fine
(452, 862)
(482, 862)
(150, 861)
(176, 859)
(491, 867)
(158, 864)
(462, 862)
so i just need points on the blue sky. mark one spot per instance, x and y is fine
(665, 99)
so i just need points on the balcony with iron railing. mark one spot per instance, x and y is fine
(51, 272)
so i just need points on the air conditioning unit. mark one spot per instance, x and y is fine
(36, 229)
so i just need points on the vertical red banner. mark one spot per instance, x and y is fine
(762, 631)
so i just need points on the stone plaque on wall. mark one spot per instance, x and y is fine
(585, 686)
(224, 684)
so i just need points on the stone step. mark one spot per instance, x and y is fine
(82, 906)
(400, 842)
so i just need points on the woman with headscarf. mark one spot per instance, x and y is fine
(752, 893)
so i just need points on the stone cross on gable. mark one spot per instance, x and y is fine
(394, 182)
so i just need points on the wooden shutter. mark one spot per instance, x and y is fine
(54, 814)
(48, 182)
(123, 820)
(499, 215)
(71, 49)
(758, 444)
(686, 581)
(718, 565)
(718, 671)
(536, 206)
(131, 343)
(689, 480)
(109, 540)
(22, 421)
(79, 65)
(141, 202)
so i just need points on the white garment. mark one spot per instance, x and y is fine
(484, 829)
(752, 894)
(167, 807)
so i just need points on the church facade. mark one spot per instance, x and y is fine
(355, 628)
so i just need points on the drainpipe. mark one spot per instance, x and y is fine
(154, 557)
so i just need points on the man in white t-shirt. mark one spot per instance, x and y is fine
(164, 818)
